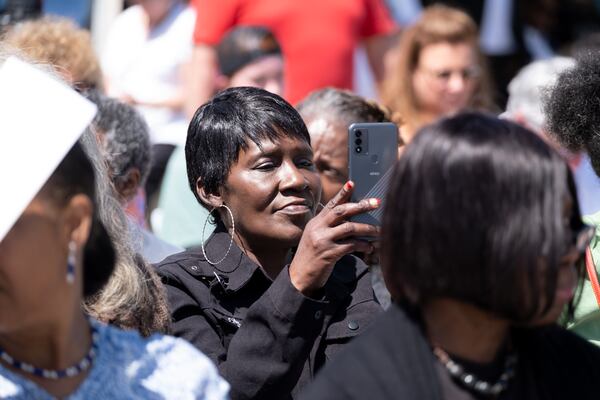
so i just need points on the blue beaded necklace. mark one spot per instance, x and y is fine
(68, 372)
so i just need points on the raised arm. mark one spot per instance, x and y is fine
(200, 78)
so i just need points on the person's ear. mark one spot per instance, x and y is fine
(77, 217)
(213, 200)
(127, 186)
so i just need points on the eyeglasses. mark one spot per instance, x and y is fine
(575, 251)
(582, 238)
(443, 76)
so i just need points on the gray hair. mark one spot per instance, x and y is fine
(343, 107)
(126, 141)
(134, 297)
(527, 89)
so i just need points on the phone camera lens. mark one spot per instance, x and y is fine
(358, 141)
(358, 133)
(358, 149)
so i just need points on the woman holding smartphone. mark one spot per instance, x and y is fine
(269, 316)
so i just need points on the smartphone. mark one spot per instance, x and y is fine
(372, 154)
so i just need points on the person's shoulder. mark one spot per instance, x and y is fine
(184, 18)
(375, 343)
(565, 362)
(121, 31)
(188, 14)
(190, 260)
(560, 338)
(133, 14)
(165, 365)
(155, 249)
(369, 365)
(592, 219)
(555, 345)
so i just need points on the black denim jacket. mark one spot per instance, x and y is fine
(267, 339)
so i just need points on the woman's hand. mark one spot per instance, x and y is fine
(328, 237)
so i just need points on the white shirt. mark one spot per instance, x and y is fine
(146, 66)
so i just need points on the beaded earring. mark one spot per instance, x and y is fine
(71, 260)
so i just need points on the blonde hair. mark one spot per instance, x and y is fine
(438, 24)
(60, 43)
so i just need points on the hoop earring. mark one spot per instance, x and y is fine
(71, 260)
(230, 242)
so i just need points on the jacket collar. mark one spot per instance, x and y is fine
(237, 268)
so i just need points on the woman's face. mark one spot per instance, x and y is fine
(265, 73)
(330, 143)
(567, 278)
(445, 77)
(33, 266)
(272, 192)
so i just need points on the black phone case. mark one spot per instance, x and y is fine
(372, 167)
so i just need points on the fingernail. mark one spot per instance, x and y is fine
(349, 185)
(374, 202)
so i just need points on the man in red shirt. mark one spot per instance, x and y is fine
(318, 39)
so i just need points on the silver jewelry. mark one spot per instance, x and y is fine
(471, 381)
(230, 242)
(71, 261)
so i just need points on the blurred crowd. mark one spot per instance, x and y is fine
(180, 221)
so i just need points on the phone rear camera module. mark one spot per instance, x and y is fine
(358, 149)
(358, 141)
(358, 133)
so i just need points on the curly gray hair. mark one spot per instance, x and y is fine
(527, 89)
(126, 141)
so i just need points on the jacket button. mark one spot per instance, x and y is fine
(318, 314)
(353, 325)
(194, 267)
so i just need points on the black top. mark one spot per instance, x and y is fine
(267, 339)
(394, 361)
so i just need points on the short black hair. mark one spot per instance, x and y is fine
(227, 123)
(74, 175)
(572, 108)
(476, 204)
